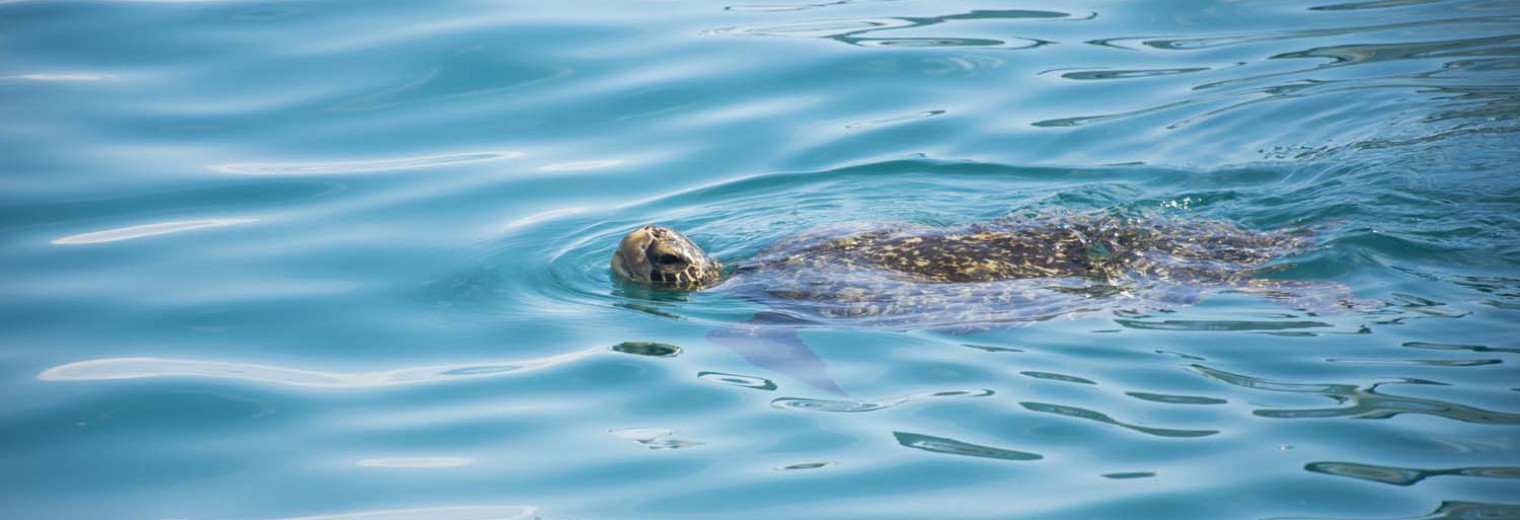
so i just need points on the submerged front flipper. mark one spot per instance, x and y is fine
(770, 341)
(1310, 296)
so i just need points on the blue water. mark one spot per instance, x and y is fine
(348, 260)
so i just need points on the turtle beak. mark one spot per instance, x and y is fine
(630, 261)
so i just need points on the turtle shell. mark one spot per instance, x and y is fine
(1009, 271)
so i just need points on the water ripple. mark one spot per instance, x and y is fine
(654, 438)
(1175, 399)
(955, 447)
(648, 349)
(1448, 510)
(1052, 376)
(807, 466)
(1083, 413)
(1423, 362)
(893, 120)
(581, 165)
(436, 513)
(1450, 346)
(1221, 41)
(1221, 325)
(830, 405)
(417, 462)
(61, 76)
(1129, 475)
(1406, 476)
(148, 230)
(365, 166)
(854, 31)
(739, 380)
(1101, 74)
(138, 368)
(1366, 403)
(777, 8)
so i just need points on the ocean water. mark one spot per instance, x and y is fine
(348, 260)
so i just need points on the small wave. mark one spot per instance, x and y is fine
(148, 230)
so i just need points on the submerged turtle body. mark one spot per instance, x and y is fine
(1003, 273)
(1006, 271)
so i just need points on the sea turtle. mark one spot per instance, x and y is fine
(1006, 272)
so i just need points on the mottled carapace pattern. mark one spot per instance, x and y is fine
(1011, 270)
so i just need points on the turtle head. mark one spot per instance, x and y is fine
(663, 258)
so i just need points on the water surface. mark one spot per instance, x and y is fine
(347, 260)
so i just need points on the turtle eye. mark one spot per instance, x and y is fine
(667, 259)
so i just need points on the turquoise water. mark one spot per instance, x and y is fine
(347, 260)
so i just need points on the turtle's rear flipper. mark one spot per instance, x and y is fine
(770, 341)
(1326, 298)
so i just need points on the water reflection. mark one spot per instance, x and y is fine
(739, 380)
(1101, 74)
(834, 405)
(1175, 399)
(807, 465)
(776, 8)
(1052, 376)
(654, 438)
(1405, 476)
(1129, 475)
(893, 120)
(1220, 41)
(1363, 403)
(1452, 346)
(955, 447)
(1373, 4)
(1448, 510)
(1083, 413)
(1222, 325)
(854, 32)
(648, 349)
